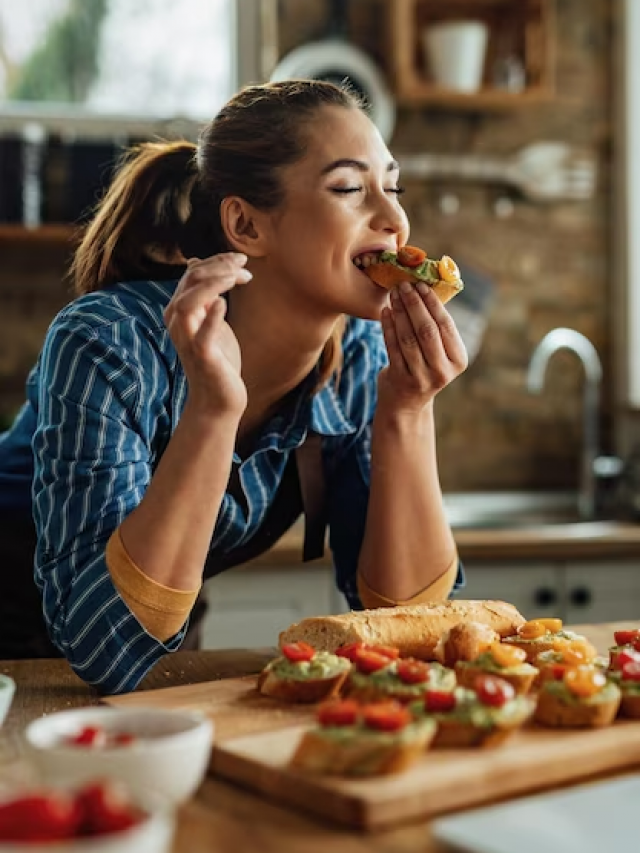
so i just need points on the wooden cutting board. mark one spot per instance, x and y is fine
(234, 705)
(255, 737)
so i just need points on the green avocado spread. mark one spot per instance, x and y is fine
(427, 270)
(487, 662)
(388, 680)
(558, 688)
(322, 665)
(408, 734)
(469, 710)
(562, 635)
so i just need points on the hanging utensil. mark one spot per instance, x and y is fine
(542, 171)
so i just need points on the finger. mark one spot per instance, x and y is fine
(210, 325)
(238, 258)
(451, 339)
(418, 333)
(396, 360)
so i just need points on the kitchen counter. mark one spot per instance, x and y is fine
(594, 540)
(221, 816)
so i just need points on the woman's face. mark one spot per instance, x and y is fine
(341, 200)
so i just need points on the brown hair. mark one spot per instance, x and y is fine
(162, 205)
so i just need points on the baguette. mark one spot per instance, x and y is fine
(416, 630)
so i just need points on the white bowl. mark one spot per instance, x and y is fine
(167, 760)
(152, 835)
(7, 689)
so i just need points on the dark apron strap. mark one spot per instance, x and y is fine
(312, 487)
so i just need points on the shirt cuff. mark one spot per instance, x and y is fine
(161, 610)
(439, 590)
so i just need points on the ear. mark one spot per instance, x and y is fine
(244, 227)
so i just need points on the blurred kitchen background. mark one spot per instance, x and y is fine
(524, 174)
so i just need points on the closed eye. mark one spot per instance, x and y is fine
(345, 190)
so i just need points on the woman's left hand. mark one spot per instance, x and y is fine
(425, 349)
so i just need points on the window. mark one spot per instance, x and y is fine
(154, 59)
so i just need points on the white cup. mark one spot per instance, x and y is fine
(455, 53)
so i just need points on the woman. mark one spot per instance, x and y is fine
(177, 405)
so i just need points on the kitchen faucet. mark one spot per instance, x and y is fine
(553, 341)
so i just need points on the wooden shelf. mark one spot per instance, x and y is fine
(522, 28)
(54, 233)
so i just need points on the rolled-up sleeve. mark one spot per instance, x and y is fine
(102, 410)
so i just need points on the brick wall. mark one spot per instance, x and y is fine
(549, 263)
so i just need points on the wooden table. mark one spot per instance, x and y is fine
(221, 817)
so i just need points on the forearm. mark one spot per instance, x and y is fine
(169, 532)
(408, 542)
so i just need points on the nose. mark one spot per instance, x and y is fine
(389, 216)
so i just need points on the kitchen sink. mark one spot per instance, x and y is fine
(505, 510)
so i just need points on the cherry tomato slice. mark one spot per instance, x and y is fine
(92, 736)
(388, 651)
(296, 652)
(412, 671)
(439, 700)
(105, 808)
(631, 671)
(411, 256)
(626, 638)
(368, 661)
(350, 650)
(386, 716)
(493, 691)
(39, 817)
(340, 712)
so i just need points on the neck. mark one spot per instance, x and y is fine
(279, 347)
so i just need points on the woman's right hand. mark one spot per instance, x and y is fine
(205, 342)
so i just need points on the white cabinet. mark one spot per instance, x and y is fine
(534, 588)
(575, 592)
(250, 606)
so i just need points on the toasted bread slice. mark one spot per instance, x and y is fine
(296, 690)
(360, 752)
(630, 705)
(390, 276)
(553, 711)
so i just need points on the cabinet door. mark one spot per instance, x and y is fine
(602, 592)
(534, 588)
(249, 607)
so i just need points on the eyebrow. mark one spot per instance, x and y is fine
(360, 165)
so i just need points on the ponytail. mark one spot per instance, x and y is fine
(147, 224)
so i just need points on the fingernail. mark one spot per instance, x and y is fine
(405, 287)
(423, 287)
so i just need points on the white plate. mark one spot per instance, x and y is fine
(596, 818)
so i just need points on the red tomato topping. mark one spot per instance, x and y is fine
(557, 671)
(39, 817)
(388, 651)
(439, 700)
(386, 716)
(106, 809)
(339, 712)
(625, 638)
(493, 691)
(631, 671)
(369, 661)
(350, 651)
(411, 256)
(413, 671)
(624, 656)
(93, 736)
(300, 651)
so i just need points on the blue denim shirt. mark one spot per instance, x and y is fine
(102, 403)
